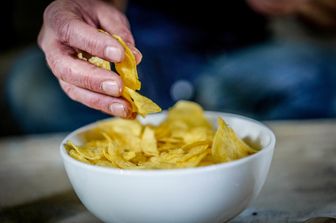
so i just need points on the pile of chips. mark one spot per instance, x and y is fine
(129, 75)
(184, 139)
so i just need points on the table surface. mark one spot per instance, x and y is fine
(301, 183)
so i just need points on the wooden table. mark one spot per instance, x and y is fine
(301, 183)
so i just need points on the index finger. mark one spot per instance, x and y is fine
(79, 35)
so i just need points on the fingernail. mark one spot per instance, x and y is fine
(118, 110)
(111, 88)
(138, 53)
(113, 54)
(135, 50)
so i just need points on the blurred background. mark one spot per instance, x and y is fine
(269, 60)
(20, 21)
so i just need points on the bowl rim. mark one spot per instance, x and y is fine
(150, 172)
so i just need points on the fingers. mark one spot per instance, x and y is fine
(70, 29)
(114, 106)
(81, 36)
(136, 52)
(81, 73)
(76, 25)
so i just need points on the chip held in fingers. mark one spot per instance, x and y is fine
(128, 72)
(184, 139)
(127, 68)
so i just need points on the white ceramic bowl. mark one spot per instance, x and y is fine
(214, 193)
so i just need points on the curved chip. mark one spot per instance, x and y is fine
(227, 145)
(141, 104)
(127, 68)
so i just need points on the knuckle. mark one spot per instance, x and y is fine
(91, 45)
(59, 17)
(58, 67)
(95, 102)
(64, 31)
(64, 71)
(69, 90)
(87, 82)
(53, 63)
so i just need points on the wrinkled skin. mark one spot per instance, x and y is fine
(70, 26)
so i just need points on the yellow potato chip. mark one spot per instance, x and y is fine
(139, 158)
(185, 139)
(194, 152)
(198, 134)
(148, 142)
(141, 104)
(127, 68)
(95, 60)
(227, 145)
(171, 156)
(128, 155)
(71, 148)
(193, 161)
(113, 155)
(168, 146)
(100, 63)
(190, 113)
(122, 126)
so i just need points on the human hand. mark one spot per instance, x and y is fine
(70, 26)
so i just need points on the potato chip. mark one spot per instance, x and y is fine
(185, 139)
(190, 113)
(148, 143)
(198, 134)
(127, 68)
(113, 154)
(141, 104)
(193, 161)
(122, 126)
(95, 60)
(129, 75)
(195, 151)
(128, 155)
(227, 145)
(73, 152)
